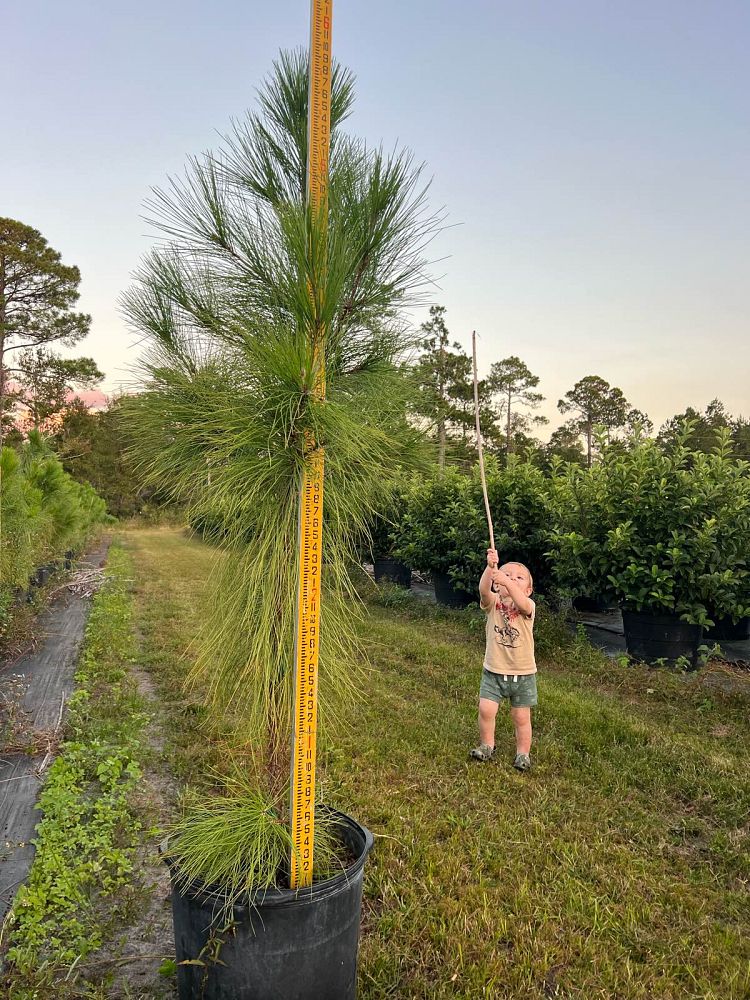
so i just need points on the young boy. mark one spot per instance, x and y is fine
(509, 665)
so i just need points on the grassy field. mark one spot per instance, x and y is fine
(618, 868)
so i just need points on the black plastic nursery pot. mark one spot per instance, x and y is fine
(653, 637)
(724, 629)
(283, 945)
(447, 594)
(585, 603)
(394, 570)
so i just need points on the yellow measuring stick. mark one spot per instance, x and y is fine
(307, 637)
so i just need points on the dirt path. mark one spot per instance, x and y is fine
(36, 688)
(133, 959)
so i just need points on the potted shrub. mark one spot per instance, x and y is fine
(384, 536)
(435, 530)
(664, 536)
(727, 628)
(232, 310)
(518, 493)
(730, 616)
(444, 526)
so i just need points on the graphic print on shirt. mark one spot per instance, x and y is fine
(507, 634)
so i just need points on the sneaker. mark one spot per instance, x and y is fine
(482, 752)
(522, 762)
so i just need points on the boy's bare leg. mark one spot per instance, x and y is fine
(487, 713)
(522, 721)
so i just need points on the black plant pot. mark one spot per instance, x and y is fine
(40, 577)
(729, 631)
(447, 594)
(393, 570)
(293, 945)
(584, 603)
(652, 637)
(68, 559)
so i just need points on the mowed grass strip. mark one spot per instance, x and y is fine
(171, 587)
(617, 869)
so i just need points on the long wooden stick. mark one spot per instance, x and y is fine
(479, 441)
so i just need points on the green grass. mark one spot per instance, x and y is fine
(617, 869)
(79, 884)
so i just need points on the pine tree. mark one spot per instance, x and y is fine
(47, 381)
(445, 391)
(593, 401)
(514, 383)
(37, 296)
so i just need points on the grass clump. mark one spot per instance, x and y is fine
(239, 844)
(236, 842)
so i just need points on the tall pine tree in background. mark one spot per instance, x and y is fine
(437, 367)
(513, 382)
(38, 294)
(593, 401)
(445, 392)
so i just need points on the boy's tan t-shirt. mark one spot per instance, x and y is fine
(509, 647)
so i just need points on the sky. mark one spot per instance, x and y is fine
(593, 158)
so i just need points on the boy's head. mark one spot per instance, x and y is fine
(518, 573)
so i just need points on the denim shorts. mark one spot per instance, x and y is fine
(519, 689)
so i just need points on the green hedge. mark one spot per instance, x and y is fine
(44, 513)
(444, 527)
(655, 532)
(643, 529)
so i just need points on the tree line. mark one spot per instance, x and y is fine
(38, 297)
(443, 402)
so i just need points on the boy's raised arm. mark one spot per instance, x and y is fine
(485, 584)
